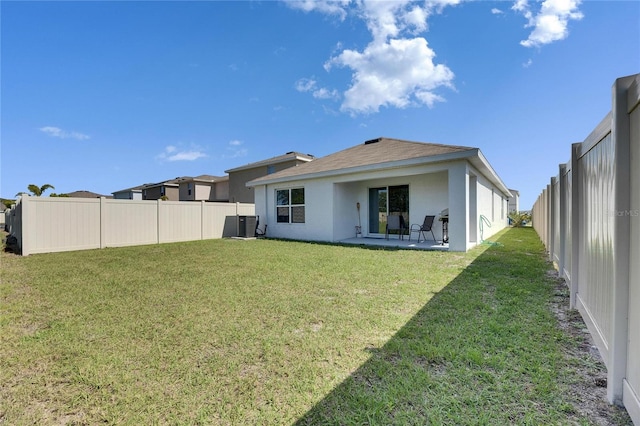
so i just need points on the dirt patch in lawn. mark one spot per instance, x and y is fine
(588, 392)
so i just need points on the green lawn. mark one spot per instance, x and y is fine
(264, 332)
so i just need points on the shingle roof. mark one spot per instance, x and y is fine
(376, 151)
(204, 178)
(274, 160)
(135, 188)
(86, 194)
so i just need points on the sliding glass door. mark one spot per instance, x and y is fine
(385, 201)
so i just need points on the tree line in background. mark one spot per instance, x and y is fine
(34, 190)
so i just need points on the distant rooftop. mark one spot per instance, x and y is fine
(289, 156)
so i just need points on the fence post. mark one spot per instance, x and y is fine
(552, 218)
(620, 133)
(25, 229)
(158, 216)
(562, 226)
(237, 218)
(576, 226)
(103, 225)
(202, 219)
(548, 220)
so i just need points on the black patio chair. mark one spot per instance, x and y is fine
(425, 227)
(395, 223)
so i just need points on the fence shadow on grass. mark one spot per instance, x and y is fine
(474, 354)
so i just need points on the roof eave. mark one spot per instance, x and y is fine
(368, 168)
(482, 164)
(268, 163)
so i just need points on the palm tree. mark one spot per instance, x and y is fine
(37, 190)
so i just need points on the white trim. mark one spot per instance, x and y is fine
(596, 334)
(268, 162)
(631, 402)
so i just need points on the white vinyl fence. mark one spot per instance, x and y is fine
(46, 224)
(588, 217)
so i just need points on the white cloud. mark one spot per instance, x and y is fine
(397, 73)
(310, 85)
(496, 11)
(171, 153)
(305, 85)
(186, 156)
(395, 69)
(330, 7)
(57, 132)
(551, 22)
(324, 93)
(528, 63)
(234, 150)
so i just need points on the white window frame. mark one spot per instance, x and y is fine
(290, 205)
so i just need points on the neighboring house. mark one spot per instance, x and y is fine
(86, 194)
(204, 188)
(514, 202)
(239, 192)
(134, 193)
(168, 188)
(324, 199)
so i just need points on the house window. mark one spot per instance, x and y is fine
(162, 191)
(189, 189)
(271, 170)
(290, 205)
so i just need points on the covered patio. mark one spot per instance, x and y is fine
(395, 242)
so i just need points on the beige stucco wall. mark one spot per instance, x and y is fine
(154, 193)
(238, 191)
(203, 191)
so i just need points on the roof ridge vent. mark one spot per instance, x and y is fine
(376, 140)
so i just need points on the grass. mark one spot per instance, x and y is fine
(235, 332)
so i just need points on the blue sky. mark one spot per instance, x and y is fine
(102, 96)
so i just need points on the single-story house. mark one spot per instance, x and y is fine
(327, 198)
(239, 192)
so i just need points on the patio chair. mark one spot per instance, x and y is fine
(421, 229)
(395, 223)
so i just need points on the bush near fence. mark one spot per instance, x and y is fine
(45, 224)
(588, 217)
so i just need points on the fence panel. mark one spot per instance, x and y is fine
(179, 221)
(220, 219)
(596, 248)
(565, 237)
(631, 391)
(44, 225)
(599, 233)
(129, 223)
(60, 224)
(555, 221)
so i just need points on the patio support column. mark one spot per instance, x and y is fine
(458, 207)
